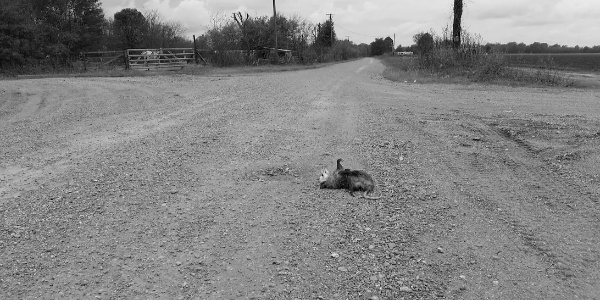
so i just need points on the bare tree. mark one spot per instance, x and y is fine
(154, 23)
(160, 32)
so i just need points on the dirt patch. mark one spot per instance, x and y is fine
(205, 187)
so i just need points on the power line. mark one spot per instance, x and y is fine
(371, 36)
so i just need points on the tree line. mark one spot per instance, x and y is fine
(537, 47)
(381, 46)
(522, 48)
(43, 32)
(256, 34)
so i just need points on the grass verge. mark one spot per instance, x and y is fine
(190, 69)
(445, 67)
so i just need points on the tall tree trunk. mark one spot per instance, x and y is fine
(275, 25)
(456, 28)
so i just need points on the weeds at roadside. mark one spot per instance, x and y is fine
(488, 68)
(439, 61)
(190, 69)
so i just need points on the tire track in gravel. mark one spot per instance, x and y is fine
(119, 169)
(571, 204)
(90, 120)
(505, 178)
(565, 229)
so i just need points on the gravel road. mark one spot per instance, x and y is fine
(205, 187)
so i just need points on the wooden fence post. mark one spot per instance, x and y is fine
(84, 63)
(195, 50)
(126, 53)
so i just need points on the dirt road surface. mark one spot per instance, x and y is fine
(205, 187)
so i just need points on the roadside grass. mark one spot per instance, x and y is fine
(191, 69)
(444, 66)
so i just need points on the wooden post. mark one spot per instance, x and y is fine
(195, 50)
(275, 25)
(84, 63)
(126, 53)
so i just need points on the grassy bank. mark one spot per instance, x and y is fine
(445, 66)
(190, 69)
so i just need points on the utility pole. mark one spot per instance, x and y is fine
(330, 28)
(275, 25)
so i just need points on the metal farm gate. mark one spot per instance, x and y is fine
(154, 59)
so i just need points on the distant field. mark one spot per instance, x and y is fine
(574, 61)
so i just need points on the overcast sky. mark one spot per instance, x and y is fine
(564, 22)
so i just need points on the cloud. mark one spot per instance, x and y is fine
(195, 14)
(553, 21)
(234, 5)
(191, 13)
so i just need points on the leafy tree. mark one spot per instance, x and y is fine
(344, 50)
(286, 29)
(222, 37)
(381, 46)
(74, 25)
(130, 25)
(35, 30)
(15, 35)
(326, 36)
(255, 33)
(364, 49)
(537, 47)
(85, 24)
(389, 44)
(378, 47)
(202, 42)
(512, 47)
(111, 39)
(424, 42)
